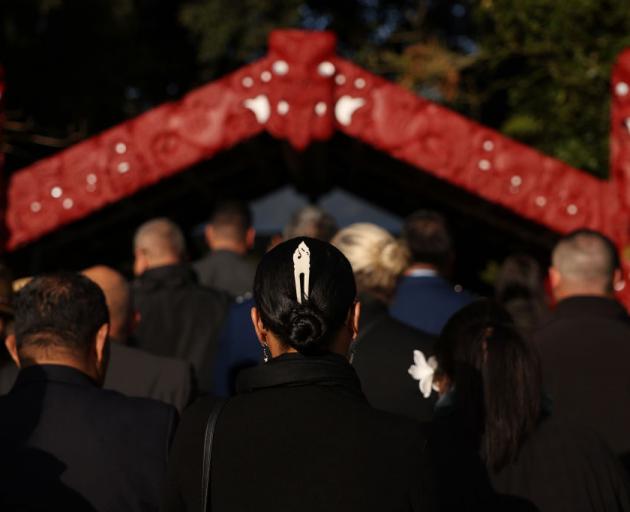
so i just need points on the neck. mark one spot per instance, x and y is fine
(582, 292)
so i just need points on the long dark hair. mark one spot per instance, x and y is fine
(308, 327)
(496, 376)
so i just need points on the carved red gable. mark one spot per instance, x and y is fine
(301, 91)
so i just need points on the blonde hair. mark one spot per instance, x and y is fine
(377, 258)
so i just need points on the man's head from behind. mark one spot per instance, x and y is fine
(230, 228)
(118, 297)
(584, 262)
(428, 239)
(61, 319)
(158, 243)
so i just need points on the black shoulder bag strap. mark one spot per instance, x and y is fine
(207, 453)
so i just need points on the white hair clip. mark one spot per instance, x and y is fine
(302, 267)
(423, 371)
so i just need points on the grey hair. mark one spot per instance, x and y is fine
(313, 222)
(585, 257)
(158, 238)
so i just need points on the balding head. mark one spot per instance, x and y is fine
(157, 243)
(117, 296)
(584, 262)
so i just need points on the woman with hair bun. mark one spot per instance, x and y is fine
(385, 347)
(299, 434)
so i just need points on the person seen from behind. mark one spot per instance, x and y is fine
(520, 289)
(316, 444)
(584, 344)
(66, 443)
(230, 236)
(178, 317)
(424, 298)
(496, 441)
(380, 355)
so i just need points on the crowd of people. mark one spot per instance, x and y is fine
(341, 372)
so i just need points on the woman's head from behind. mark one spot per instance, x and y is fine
(377, 258)
(496, 376)
(305, 298)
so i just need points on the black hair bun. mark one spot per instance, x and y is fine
(307, 327)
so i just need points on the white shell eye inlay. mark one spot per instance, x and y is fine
(346, 107)
(260, 107)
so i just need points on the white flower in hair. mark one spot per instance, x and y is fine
(423, 371)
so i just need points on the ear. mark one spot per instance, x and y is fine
(554, 277)
(11, 343)
(261, 332)
(619, 283)
(101, 344)
(250, 237)
(353, 319)
(140, 263)
(209, 234)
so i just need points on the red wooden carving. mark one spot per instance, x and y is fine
(301, 91)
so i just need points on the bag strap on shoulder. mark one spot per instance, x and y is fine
(207, 452)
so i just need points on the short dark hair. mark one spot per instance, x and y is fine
(427, 236)
(232, 218)
(496, 376)
(308, 327)
(59, 310)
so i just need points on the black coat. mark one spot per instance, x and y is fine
(226, 271)
(179, 317)
(134, 372)
(585, 350)
(382, 355)
(560, 468)
(66, 444)
(299, 435)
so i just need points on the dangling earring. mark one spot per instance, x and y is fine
(266, 352)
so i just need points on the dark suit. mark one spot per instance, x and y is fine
(427, 302)
(585, 350)
(64, 442)
(179, 317)
(134, 372)
(382, 356)
(226, 271)
(300, 436)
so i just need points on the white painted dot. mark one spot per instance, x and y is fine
(320, 108)
(67, 203)
(280, 67)
(359, 83)
(484, 165)
(283, 108)
(340, 79)
(91, 179)
(622, 89)
(488, 145)
(326, 68)
(56, 192)
(123, 167)
(572, 209)
(247, 81)
(36, 206)
(516, 180)
(626, 123)
(540, 201)
(121, 147)
(265, 76)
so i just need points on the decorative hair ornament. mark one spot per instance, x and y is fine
(302, 267)
(423, 371)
